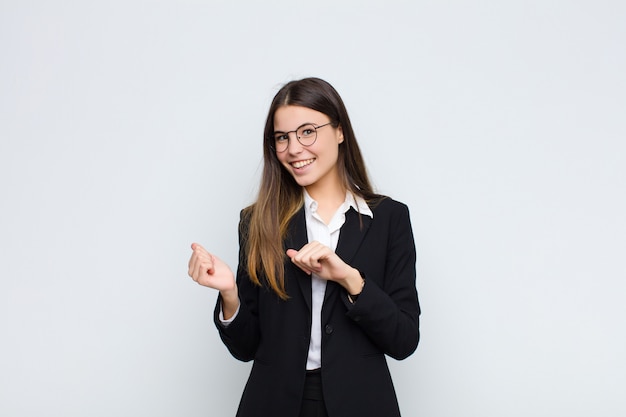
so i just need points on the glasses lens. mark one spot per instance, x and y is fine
(307, 135)
(281, 141)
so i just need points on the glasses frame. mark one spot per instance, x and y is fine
(273, 137)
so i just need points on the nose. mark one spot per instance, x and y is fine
(294, 146)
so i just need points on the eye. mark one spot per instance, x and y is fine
(307, 131)
(281, 137)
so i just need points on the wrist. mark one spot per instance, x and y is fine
(230, 303)
(354, 282)
(230, 296)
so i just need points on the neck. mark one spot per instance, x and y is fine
(327, 194)
(328, 199)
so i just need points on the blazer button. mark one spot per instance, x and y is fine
(328, 329)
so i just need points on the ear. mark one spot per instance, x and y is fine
(339, 134)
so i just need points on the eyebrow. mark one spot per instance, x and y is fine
(303, 124)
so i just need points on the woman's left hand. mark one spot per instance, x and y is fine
(323, 262)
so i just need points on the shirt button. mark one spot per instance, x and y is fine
(328, 329)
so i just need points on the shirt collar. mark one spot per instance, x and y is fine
(352, 200)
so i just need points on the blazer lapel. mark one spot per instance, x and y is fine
(350, 237)
(352, 233)
(296, 239)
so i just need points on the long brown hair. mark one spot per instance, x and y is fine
(280, 197)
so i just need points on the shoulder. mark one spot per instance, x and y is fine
(245, 216)
(387, 206)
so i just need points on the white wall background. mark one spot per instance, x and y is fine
(129, 129)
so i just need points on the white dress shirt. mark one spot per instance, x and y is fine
(328, 235)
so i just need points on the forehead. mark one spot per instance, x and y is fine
(291, 117)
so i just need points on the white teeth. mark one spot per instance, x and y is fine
(300, 164)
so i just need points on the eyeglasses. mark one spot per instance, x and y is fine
(306, 135)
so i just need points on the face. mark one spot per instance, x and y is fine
(314, 166)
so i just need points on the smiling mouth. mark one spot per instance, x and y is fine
(301, 164)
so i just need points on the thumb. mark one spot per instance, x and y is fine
(291, 252)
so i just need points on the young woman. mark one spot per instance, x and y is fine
(325, 286)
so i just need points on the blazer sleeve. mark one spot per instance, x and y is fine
(242, 335)
(387, 309)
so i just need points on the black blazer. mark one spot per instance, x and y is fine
(356, 337)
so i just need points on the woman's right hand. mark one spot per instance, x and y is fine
(209, 270)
